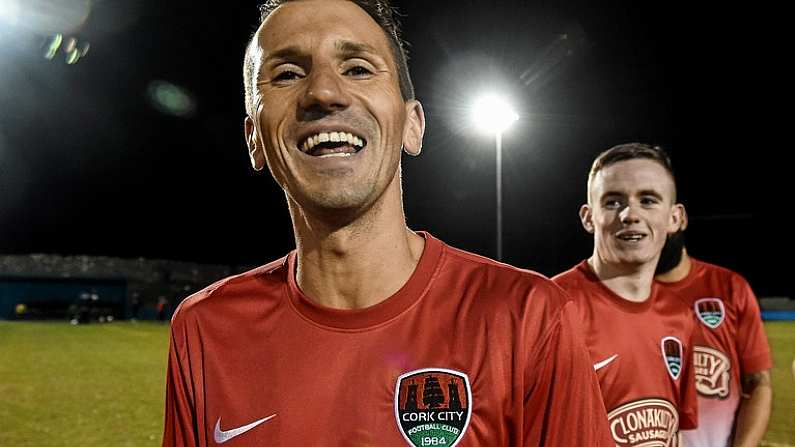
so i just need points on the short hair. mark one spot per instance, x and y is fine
(631, 151)
(384, 15)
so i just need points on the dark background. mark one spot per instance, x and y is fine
(88, 164)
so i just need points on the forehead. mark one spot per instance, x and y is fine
(312, 24)
(632, 176)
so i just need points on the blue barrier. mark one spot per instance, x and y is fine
(52, 297)
(778, 315)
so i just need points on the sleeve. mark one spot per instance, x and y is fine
(180, 428)
(563, 405)
(752, 345)
(688, 407)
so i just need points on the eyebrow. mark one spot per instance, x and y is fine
(651, 192)
(346, 47)
(349, 48)
(285, 53)
(645, 192)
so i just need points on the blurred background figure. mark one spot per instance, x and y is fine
(162, 308)
(732, 354)
(135, 307)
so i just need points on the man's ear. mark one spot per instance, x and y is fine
(256, 153)
(678, 218)
(586, 217)
(414, 128)
(684, 220)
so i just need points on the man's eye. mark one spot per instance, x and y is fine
(612, 204)
(286, 75)
(648, 201)
(358, 71)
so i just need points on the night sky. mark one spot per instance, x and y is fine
(89, 164)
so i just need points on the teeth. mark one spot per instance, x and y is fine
(632, 237)
(323, 137)
(336, 154)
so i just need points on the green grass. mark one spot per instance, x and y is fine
(89, 385)
(103, 385)
(781, 335)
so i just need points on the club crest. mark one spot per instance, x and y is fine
(672, 355)
(710, 311)
(433, 406)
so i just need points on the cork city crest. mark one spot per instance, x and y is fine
(433, 406)
(672, 355)
(710, 311)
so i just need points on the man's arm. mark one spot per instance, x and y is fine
(179, 429)
(564, 405)
(754, 351)
(754, 411)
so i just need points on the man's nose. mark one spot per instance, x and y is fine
(629, 215)
(325, 92)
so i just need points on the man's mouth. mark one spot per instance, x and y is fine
(332, 144)
(630, 236)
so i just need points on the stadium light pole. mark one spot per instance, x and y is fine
(493, 114)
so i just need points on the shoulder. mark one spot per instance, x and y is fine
(219, 296)
(509, 285)
(735, 282)
(576, 280)
(717, 270)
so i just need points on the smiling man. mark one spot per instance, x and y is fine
(639, 336)
(368, 334)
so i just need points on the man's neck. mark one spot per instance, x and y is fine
(679, 272)
(361, 263)
(630, 282)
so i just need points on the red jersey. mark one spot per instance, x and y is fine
(470, 352)
(642, 354)
(732, 342)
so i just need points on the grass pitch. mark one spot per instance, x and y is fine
(88, 385)
(104, 384)
(781, 431)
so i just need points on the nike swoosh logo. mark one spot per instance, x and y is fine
(603, 363)
(221, 436)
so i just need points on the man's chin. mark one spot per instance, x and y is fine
(335, 205)
(634, 260)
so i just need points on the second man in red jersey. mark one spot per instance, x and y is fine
(639, 336)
